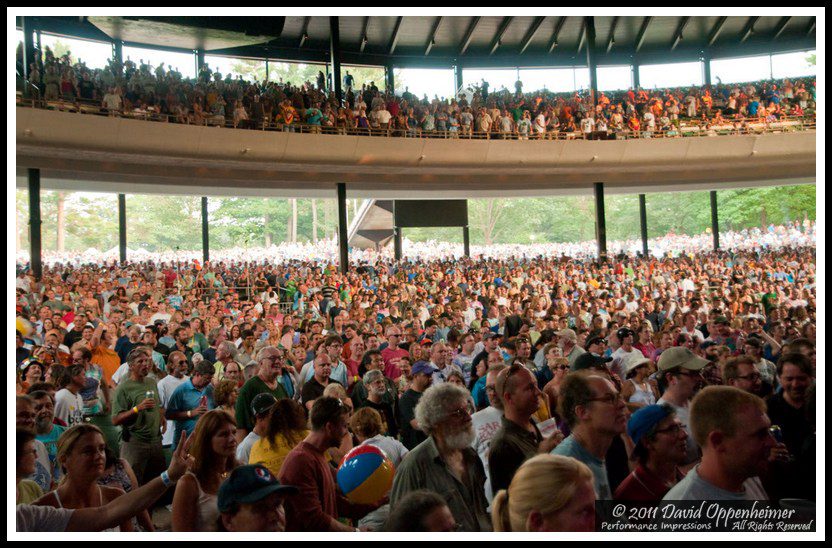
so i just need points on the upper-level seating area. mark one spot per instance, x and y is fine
(157, 94)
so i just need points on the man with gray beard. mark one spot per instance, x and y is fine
(445, 463)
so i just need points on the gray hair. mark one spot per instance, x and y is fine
(137, 352)
(197, 359)
(250, 370)
(436, 403)
(231, 349)
(372, 376)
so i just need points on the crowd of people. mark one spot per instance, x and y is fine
(213, 99)
(794, 234)
(510, 393)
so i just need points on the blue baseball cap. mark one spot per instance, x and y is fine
(645, 419)
(247, 484)
(422, 367)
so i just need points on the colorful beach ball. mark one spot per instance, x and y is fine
(365, 475)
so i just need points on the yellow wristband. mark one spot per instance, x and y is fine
(136, 410)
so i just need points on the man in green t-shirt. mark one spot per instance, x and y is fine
(270, 362)
(136, 409)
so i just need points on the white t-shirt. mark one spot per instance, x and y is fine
(393, 448)
(166, 386)
(120, 373)
(683, 414)
(244, 449)
(485, 423)
(69, 407)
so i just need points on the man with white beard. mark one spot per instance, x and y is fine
(445, 462)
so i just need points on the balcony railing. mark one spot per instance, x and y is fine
(684, 127)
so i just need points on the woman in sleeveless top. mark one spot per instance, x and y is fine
(82, 460)
(638, 391)
(118, 473)
(213, 448)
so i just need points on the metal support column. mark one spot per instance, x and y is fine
(29, 51)
(642, 212)
(714, 220)
(122, 228)
(397, 243)
(591, 60)
(600, 222)
(458, 80)
(389, 79)
(35, 262)
(706, 62)
(335, 54)
(199, 57)
(267, 70)
(205, 244)
(636, 79)
(118, 56)
(466, 241)
(342, 228)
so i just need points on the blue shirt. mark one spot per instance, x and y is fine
(184, 398)
(571, 448)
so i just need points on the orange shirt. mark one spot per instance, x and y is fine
(108, 360)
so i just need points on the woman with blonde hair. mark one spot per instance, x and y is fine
(213, 449)
(549, 493)
(82, 458)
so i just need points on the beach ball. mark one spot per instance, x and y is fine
(23, 325)
(365, 475)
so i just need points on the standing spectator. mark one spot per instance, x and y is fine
(285, 429)
(25, 419)
(421, 511)
(270, 365)
(438, 463)
(518, 438)
(47, 431)
(188, 402)
(251, 500)
(177, 367)
(136, 409)
(69, 405)
(660, 449)
(377, 389)
(261, 407)
(596, 414)
(81, 456)
(315, 507)
(680, 371)
(213, 448)
(548, 494)
(731, 427)
(412, 433)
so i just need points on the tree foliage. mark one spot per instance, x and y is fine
(163, 223)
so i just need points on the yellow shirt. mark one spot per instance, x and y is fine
(272, 457)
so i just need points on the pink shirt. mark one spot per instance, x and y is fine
(391, 361)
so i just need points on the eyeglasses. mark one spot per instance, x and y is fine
(673, 430)
(692, 374)
(611, 399)
(750, 377)
(460, 413)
